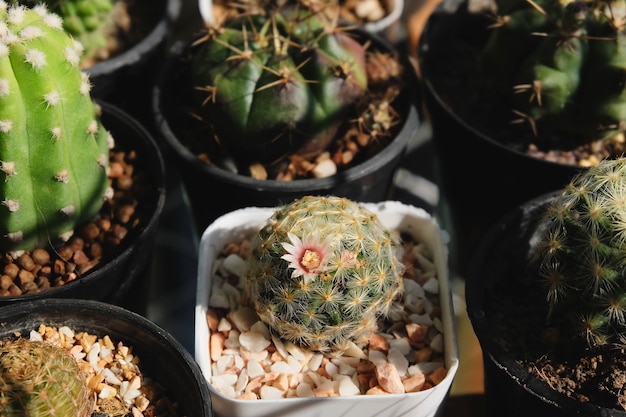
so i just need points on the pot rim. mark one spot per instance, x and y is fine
(409, 128)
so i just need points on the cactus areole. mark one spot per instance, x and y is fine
(280, 81)
(322, 272)
(53, 148)
(581, 254)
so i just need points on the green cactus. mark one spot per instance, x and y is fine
(88, 21)
(38, 379)
(581, 254)
(564, 64)
(53, 147)
(285, 79)
(322, 271)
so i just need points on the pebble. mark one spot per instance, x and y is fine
(406, 355)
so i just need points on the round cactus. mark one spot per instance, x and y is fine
(322, 271)
(562, 63)
(581, 254)
(38, 379)
(281, 80)
(53, 147)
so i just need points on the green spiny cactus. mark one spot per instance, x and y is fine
(38, 379)
(581, 254)
(53, 147)
(564, 63)
(281, 80)
(89, 21)
(322, 271)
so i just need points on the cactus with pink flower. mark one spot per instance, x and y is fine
(323, 270)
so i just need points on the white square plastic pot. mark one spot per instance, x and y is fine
(242, 223)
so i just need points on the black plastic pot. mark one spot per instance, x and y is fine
(126, 78)
(113, 281)
(161, 356)
(214, 191)
(481, 179)
(497, 275)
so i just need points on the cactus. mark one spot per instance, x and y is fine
(89, 21)
(563, 63)
(38, 379)
(322, 271)
(285, 79)
(53, 147)
(581, 254)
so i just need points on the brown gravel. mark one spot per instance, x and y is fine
(42, 269)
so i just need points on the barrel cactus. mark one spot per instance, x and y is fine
(563, 64)
(322, 271)
(581, 254)
(280, 80)
(38, 379)
(53, 147)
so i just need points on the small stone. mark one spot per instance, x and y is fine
(348, 387)
(270, 393)
(212, 319)
(437, 343)
(431, 286)
(253, 341)
(243, 318)
(378, 342)
(389, 379)
(416, 332)
(235, 265)
(437, 375)
(377, 390)
(216, 345)
(254, 368)
(224, 325)
(324, 169)
(414, 383)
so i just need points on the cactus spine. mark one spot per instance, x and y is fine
(564, 63)
(53, 148)
(281, 80)
(38, 379)
(322, 271)
(581, 254)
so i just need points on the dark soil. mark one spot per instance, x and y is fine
(510, 313)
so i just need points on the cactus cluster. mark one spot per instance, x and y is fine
(322, 271)
(54, 151)
(38, 379)
(581, 254)
(283, 79)
(563, 64)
